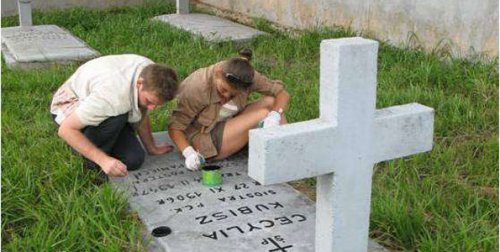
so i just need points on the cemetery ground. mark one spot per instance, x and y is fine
(444, 200)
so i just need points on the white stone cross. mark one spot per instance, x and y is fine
(24, 7)
(342, 145)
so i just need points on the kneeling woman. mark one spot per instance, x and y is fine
(213, 115)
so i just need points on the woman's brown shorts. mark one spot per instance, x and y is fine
(217, 133)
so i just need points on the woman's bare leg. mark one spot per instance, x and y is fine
(235, 135)
(264, 102)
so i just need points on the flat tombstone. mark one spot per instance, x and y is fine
(211, 28)
(42, 45)
(239, 215)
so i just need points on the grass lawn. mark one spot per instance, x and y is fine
(445, 200)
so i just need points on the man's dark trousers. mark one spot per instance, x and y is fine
(116, 137)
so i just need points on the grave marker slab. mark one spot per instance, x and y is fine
(42, 45)
(239, 215)
(211, 28)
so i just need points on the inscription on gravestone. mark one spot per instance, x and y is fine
(28, 35)
(42, 44)
(239, 215)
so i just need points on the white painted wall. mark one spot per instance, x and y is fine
(469, 25)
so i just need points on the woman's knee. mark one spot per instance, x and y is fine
(268, 101)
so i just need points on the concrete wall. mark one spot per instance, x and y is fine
(466, 26)
(9, 7)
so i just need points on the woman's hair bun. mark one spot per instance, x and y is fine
(246, 53)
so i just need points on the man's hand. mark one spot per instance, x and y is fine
(113, 167)
(272, 119)
(160, 149)
(194, 160)
(70, 132)
(147, 139)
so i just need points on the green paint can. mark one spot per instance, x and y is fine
(211, 175)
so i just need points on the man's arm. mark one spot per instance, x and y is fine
(147, 138)
(69, 130)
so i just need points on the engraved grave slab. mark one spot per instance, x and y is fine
(211, 28)
(42, 45)
(239, 215)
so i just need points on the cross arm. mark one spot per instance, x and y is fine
(291, 152)
(402, 130)
(310, 148)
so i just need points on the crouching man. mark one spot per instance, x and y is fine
(102, 105)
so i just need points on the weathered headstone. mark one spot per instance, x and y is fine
(211, 28)
(239, 215)
(41, 46)
(28, 46)
(342, 146)
(24, 7)
(182, 6)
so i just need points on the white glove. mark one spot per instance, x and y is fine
(194, 160)
(272, 119)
